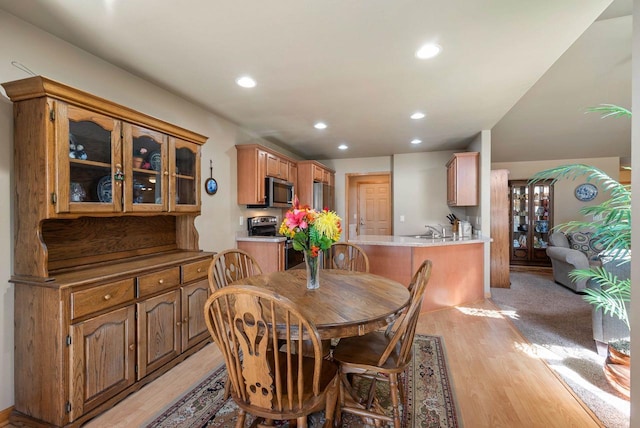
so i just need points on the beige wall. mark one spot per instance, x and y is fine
(566, 206)
(419, 191)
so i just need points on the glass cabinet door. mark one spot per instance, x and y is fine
(89, 166)
(185, 176)
(541, 214)
(520, 220)
(145, 153)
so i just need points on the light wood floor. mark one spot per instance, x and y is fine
(497, 380)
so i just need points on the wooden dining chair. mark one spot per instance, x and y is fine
(346, 256)
(381, 356)
(272, 383)
(231, 265)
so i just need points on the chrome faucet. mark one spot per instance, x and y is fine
(435, 232)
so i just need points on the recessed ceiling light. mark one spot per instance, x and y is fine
(416, 141)
(417, 115)
(320, 125)
(343, 147)
(428, 51)
(246, 82)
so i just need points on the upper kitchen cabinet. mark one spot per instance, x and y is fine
(310, 172)
(462, 179)
(80, 154)
(255, 164)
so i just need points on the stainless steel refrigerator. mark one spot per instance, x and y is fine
(323, 196)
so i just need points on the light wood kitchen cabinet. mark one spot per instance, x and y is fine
(293, 174)
(256, 163)
(109, 279)
(269, 255)
(462, 179)
(309, 172)
(277, 167)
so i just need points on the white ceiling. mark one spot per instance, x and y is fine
(352, 65)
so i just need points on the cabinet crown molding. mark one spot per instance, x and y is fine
(40, 86)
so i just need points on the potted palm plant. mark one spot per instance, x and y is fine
(611, 229)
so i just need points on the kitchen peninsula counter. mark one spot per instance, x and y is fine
(408, 241)
(457, 276)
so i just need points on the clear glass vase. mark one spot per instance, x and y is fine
(313, 265)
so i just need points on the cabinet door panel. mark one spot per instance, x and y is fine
(194, 328)
(159, 329)
(146, 171)
(184, 176)
(88, 155)
(102, 359)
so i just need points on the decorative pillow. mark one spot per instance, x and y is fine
(585, 242)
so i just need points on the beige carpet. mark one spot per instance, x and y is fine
(558, 322)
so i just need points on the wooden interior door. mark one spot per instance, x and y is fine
(500, 229)
(374, 209)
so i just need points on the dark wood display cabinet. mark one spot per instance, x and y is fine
(109, 280)
(531, 220)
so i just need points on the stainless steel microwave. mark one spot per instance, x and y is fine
(279, 193)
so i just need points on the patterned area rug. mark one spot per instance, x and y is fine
(429, 396)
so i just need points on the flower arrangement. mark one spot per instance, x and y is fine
(138, 158)
(140, 153)
(311, 230)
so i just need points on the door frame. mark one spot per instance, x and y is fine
(369, 178)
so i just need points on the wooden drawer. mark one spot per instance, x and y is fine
(158, 281)
(195, 270)
(102, 297)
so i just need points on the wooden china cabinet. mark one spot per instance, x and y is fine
(530, 221)
(109, 280)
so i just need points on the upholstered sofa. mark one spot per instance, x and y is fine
(605, 327)
(568, 252)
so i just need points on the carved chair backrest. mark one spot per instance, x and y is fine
(240, 319)
(403, 330)
(346, 256)
(229, 266)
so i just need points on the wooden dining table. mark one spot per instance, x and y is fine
(346, 303)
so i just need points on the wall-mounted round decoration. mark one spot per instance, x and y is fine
(586, 192)
(211, 186)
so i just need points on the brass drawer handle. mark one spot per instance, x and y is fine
(107, 297)
(199, 270)
(178, 323)
(161, 281)
(186, 320)
(132, 347)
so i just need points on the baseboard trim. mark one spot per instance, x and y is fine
(4, 416)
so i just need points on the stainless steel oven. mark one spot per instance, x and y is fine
(292, 258)
(267, 226)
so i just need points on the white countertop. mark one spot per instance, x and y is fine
(261, 238)
(407, 241)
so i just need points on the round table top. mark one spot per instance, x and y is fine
(346, 303)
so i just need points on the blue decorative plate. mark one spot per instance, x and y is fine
(155, 159)
(586, 192)
(104, 189)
